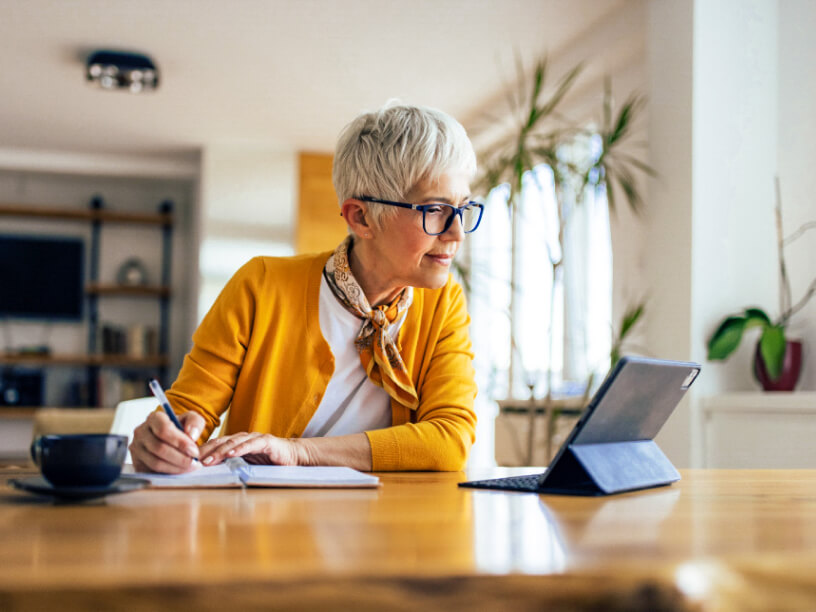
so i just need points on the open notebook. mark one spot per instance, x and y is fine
(236, 472)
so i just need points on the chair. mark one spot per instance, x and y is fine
(71, 421)
(129, 415)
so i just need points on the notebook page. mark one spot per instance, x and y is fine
(305, 476)
(221, 475)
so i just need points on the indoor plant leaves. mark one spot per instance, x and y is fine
(772, 343)
(772, 347)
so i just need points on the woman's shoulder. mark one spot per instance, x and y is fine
(268, 271)
(295, 264)
(291, 262)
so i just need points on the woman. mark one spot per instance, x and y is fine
(357, 357)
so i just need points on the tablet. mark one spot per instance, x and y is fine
(611, 449)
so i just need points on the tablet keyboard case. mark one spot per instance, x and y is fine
(615, 451)
(602, 469)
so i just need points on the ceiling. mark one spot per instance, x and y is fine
(277, 74)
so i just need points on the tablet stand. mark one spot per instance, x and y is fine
(608, 467)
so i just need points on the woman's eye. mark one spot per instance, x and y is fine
(434, 209)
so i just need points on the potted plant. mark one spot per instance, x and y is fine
(538, 135)
(777, 359)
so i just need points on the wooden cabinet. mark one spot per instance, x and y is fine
(319, 224)
(98, 215)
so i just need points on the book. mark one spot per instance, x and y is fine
(236, 472)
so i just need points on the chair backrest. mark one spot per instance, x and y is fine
(129, 415)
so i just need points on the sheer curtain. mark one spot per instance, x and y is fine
(581, 297)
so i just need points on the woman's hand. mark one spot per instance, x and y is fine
(257, 448)
(160, 446)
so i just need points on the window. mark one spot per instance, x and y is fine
(576, 340)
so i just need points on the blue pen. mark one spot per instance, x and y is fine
(158, 393)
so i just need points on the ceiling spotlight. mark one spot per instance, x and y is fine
(118, 70)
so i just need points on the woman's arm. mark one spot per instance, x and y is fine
(445, 421)
(205, 384)
(208, 376)
(352, 450)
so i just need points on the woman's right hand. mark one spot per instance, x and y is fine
(160, 446)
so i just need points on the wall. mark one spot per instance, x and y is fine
(247, 199)
(669, 238)
(734, 128)
(714, 137)
(796, 125)
(118, 243)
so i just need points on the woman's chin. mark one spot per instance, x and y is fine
(432, 281)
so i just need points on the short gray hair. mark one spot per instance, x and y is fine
(387, 152)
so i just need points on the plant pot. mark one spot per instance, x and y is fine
(791, 368)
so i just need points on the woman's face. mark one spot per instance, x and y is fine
(406, 255)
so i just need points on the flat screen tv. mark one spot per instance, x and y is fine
(41, 277)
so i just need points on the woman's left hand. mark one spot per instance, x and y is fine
(257, 448)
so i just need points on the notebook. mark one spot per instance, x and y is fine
(236, 472)
(611, 448)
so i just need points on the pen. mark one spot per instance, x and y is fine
(158, 393)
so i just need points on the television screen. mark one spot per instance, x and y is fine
(41, 277)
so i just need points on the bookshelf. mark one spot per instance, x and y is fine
(98, 215)
(99, 360)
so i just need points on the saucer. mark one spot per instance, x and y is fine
(40, 486)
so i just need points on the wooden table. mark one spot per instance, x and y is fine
(720, 539)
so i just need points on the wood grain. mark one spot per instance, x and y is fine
(721, 539)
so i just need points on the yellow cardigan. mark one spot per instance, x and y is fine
(260, 352)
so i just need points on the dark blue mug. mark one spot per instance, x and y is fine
(80, 460)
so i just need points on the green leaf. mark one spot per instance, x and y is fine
(614, 356)
(643, 167)
(627, 184)
(772, 347)
(610, 198)
(726, 339)
(564, 85)
(630, 318)
(607, 105)
(756, 317)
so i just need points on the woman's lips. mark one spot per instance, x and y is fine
(444, 260)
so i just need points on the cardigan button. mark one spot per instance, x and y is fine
(315, 398)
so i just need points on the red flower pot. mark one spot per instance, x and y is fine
(791, 368)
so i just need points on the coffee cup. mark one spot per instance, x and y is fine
(80, 460)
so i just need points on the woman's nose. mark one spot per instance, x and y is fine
(455, 231)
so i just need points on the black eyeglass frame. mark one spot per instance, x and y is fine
(423, 207)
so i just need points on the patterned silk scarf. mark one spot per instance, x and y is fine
(379, 353)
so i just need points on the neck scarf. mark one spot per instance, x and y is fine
(379, 353)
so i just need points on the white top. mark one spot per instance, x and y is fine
(351, 403)
(761, 401)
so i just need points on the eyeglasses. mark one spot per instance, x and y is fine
(438, 217)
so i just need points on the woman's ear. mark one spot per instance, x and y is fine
(357, 218)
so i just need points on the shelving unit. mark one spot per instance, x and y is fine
(93, 214)
(97, 215)
(99, 360)
(103, 289)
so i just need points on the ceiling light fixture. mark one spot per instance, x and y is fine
(118, 70)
